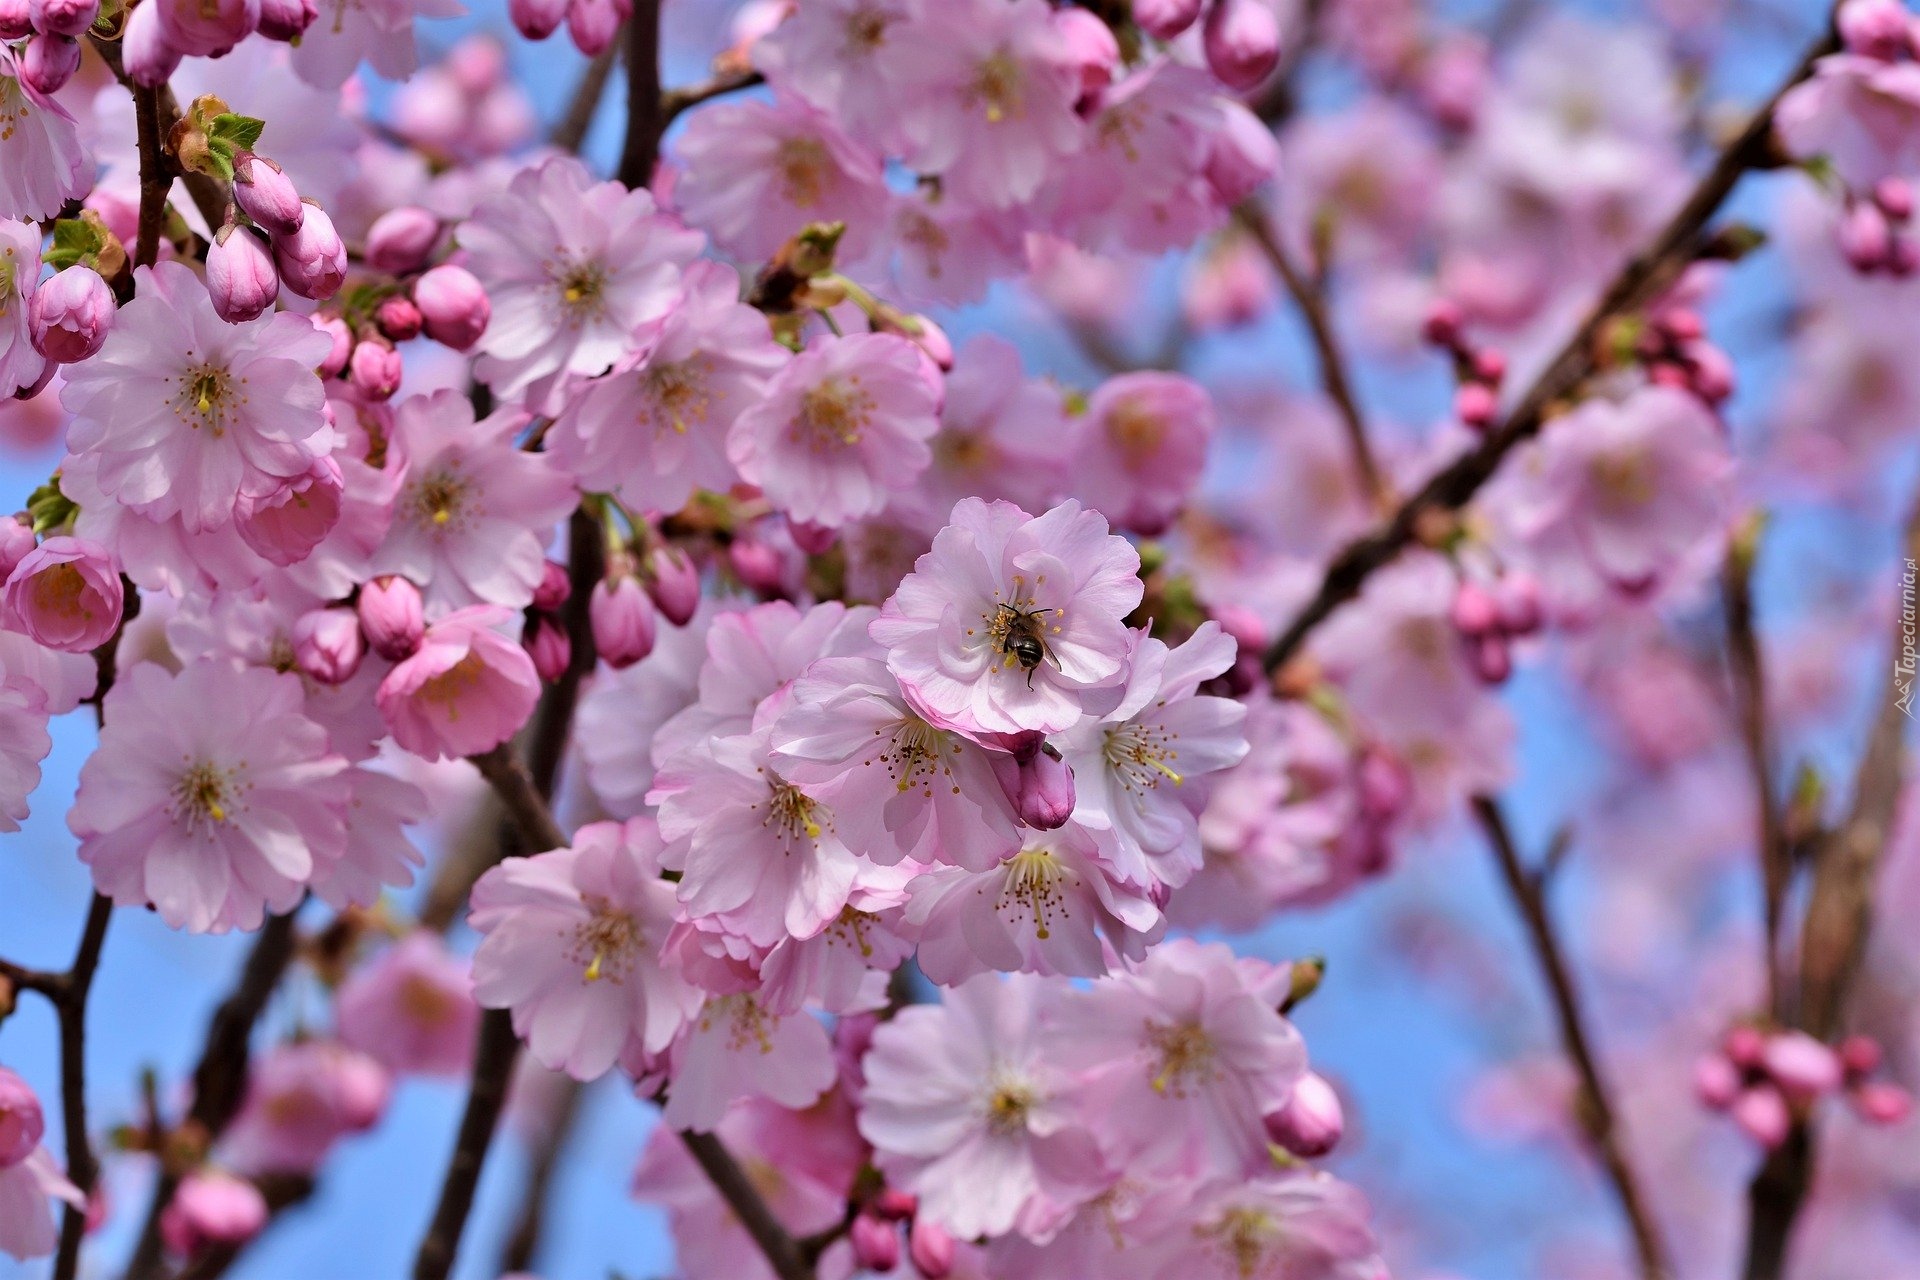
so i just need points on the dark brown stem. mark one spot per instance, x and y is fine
(1651, 270)
(155, 181)
(1596, 1112)
(585, 103)
(523, 1245)
(82, 1168)
(730, 1180)
(1334, 380)
(645, 119)
(525, 805)
(1746, 665)
(493, 1061)
(674, 101)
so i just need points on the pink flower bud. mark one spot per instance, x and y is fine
(1762, 1114)
(286, 525)
(758, 566)
(1520, 610)
(813, 539)
(49, 62)
(1859, 1055)
(1165, 19)
(22, 1123)
(1803, 1067)
(931, 1249)
(1242, 153)
(312, 261)
(674, 583)
(16, 20)
(240, 275)
(933, 343)
(1865, 239)
(1903, 258)
(1043, 795)
(537, 19)
(267, 195)
(206, 28)
(1492, 659)
(72, 312)
(64, 17)
(1476, 405)
(592, 24)
(327, 645)
(1744, 1047)
(65, 594)
(149, 57)
(335, 328)
(401, 240)
(375, 369)
(1386, 788)
(16, 541)
(1873, 28)
(454, 306)
(287, 20)
(397, 318)
(1716, 1082)
(211, 1208)
(1895, 198)
(1442, 325)
(478, 64)
(896, 1205)
(1242, 42)
(1682, 324)
(555, 587)
(1490, 366)
(876, 1244)
(623, 624)
(1881, 1102)
(393, 616)
(550, 647)
(1091, 45)
(1310, 1123)
(1475, 612)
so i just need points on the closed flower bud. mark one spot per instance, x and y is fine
(16, 20)
(64, 17)
(555, 588)
(1762, 1114)
(1744, 1047)
(72, 312)
(1520, 610)
(1044, 795)
(1165, 19)
(335, 328)
(623, 624)
(1859, 1055)
(1873, 28)
(1865, 239)
(592, 24)
(758, 566)
(876, 1244)
(549, 646)
(240, 275)
(401, 240)
(1475, 612)
(1241, 155)
(931, 1250)
(210, 1209)
(16, 540)
(1803, 1067)
(393, 617)
(49, 62)
(1385, 787)
(1242, 42)
(1475, 404)
(537, 19)
(1492, 659)
(286, 525)
(1880, 1102)
(267, 195)
(149, 57)
(1311, 1121)
(312, 261)
(1091, 45)
(327, 645)
(1895, 198)
(398, 318)
(896, 1205)
(22, 1122)
(65, 594)
(287, 20)
(1442, 325)
(453, 306)
(374, 369)
(674, 584)
(1716, 1081)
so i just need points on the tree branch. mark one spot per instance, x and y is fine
(730, 1180)
(571, 131)
(1651, 270)
(82, 1168)
(523, 1245)
(674, 101)
(493, 1061)
(1596, 1112)
(645, 119)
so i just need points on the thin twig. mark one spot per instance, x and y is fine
(1334, 379)
(645, 118)
(1746, 665)
(523, 1246)
(1596, 1112)
(82, 1168)
(571, 131)
(528, 808)
(493, 1061)
(674, 101)
(730, 1180)
(155, 181)
(1651, 270)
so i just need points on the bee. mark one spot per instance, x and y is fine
(1022, 636)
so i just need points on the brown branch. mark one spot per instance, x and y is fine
(82, 1168)
(674, 101)
(155, 180)
(1833, 938)
(524, 1244)
(571, 131)
(645, 119)
(1596, 1112)
(1334, 379)
(220, 1078)
(1651, 270)
(524, 803)
(1746, 665)
(730, 1180)
(493, 1061)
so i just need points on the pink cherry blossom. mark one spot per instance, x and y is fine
(1002, 436)
(571, 944)
(65, 593)
(186, 413)
(302, 1098)
(378, 33)
(1000, 584)
(466, 690)
(734, 1049)
(211, 796)
(849, 58)
(42, 161)
(622, 713)
(1861, 114)
(412, 1009)
(1139, 448)
(29, 1179)
(1278, 1226)
(20, 365)
(841, 428)
(23, 745)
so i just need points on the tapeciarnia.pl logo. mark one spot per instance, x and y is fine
(1904, 666)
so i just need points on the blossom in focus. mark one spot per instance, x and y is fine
(466, 690)
(43, 163)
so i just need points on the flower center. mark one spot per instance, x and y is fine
(914, 754)
(451, 687)
(996, 87)
(583, 288)
(207, 398)
(1185, 1056)
(1137, 432)
(607, 943)
(1034, 885)
(967, 452)
(440, 501)
(679, 393)
(426, 1001)
(748, 1025)
(803, 164)
(1138, 754)
(1243, 1233)
(791, 812)
(1623, 479)
(60, 592)
(204, 793)
(832, 415)
(1009, 1104)
(866, 30)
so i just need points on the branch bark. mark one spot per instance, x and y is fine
(585, 103)
(487, 1096)
(1651, 270)
(82, 1168)
(645, 118)
(730, 1180)
(1597, 1114)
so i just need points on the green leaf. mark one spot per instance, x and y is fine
(74, 241)
(50, 508)
(241, 133)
